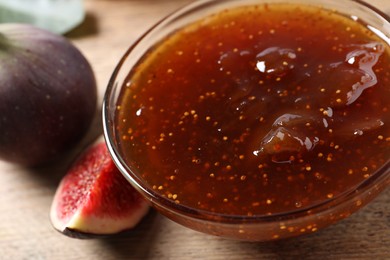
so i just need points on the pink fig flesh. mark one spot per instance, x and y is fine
(94, 198)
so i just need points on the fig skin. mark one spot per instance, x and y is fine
(48, 95)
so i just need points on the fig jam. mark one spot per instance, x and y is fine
(259, 110)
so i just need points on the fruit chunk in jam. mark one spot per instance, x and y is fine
(259, 110)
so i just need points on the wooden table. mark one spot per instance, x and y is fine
(25, 195)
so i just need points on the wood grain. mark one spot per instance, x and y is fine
(25, 194)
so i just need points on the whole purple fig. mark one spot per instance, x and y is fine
(48, 95)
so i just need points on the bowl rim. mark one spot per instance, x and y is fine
(382, 175)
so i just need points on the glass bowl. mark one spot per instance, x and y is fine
(256, 227)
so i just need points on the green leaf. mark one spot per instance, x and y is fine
(58, 16)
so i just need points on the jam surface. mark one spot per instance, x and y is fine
(259, 110)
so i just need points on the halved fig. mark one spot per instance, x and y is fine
(94, 198)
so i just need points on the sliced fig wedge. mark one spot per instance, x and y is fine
(94, 198)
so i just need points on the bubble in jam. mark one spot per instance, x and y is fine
(259, 110)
